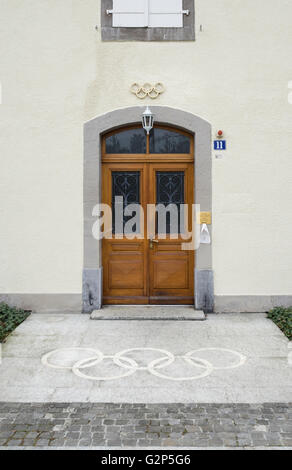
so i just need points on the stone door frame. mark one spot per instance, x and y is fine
(93, 132)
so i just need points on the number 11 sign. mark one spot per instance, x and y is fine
(219, 144)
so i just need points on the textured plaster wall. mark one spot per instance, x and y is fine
(56, 74)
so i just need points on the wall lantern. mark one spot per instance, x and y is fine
(147, 120)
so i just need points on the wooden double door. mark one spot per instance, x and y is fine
(149, 267)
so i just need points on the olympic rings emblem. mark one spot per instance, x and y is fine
(130, 365)
(153, 91)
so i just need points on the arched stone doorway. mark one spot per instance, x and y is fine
(93, 132)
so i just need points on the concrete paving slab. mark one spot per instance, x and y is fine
(241, 358)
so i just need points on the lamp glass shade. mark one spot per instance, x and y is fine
(147, 120)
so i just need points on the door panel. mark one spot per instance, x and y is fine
(171, 268)
(169, 273)
(124, 260)
(126, 273)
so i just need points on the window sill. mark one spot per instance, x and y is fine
(109, 33)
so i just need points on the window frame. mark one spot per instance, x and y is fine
(147, 157)
(110, 33)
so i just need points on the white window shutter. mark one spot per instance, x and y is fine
(130, 13)
(166, 13)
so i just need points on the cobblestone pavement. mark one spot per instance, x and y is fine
(141, 425)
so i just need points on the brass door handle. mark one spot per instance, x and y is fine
(151, 242)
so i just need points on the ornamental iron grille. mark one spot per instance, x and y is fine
(125, 185)
(170, 190)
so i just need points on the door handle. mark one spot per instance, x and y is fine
(151, 241)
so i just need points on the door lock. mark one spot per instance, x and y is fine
(151, 243)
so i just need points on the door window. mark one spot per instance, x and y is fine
(126, 142)
(170, 193)
(125, 185)
(166, 141)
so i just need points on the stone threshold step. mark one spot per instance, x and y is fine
(126, 312)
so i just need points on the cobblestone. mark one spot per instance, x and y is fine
(128, 425)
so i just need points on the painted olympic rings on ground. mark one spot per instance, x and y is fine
(131, 366)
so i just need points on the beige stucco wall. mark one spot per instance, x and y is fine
(56, 74)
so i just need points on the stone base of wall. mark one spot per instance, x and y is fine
(92, 290)
(46, 303)
(250, 303)
(204, 290)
